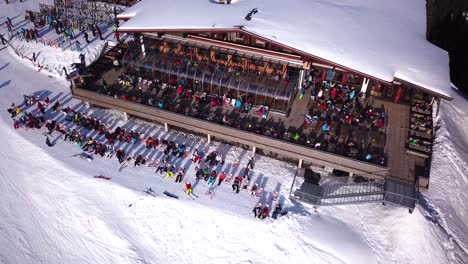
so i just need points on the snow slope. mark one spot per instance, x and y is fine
(53, 211)
(81, 219)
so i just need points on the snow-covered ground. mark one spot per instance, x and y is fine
(52, 210)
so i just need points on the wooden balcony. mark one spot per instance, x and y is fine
(230, 134)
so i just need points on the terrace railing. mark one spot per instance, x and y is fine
(385, 191)
(232, 134)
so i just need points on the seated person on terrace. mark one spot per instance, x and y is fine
(325, 127)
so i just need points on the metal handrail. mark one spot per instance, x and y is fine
(400, 200)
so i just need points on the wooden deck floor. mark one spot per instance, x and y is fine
(401, 164)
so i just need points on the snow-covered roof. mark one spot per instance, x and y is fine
(383, 39)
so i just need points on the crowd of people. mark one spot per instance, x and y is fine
(342, 103)
(332, 106)
(335, 106)
(104, 145)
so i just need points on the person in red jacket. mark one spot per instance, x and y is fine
(380, 123)
(188, 188)
(264, 213)
(179, 91)
(15, 124)
(221, 178)
(237, 183)
(333, 92)
(40, 107)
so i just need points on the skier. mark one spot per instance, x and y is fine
(222, 176)
(116, 63)
(188, 188)
(40, 107)
(198, 174)
(86, 36)
(99, 31)
(246, 173)
(218, 159)
(15, 124)
(181, 151)
(237, 183)
(137, 161)
(78, 45)
(264, 213)
(199, 157)
(82, 59)
(11, 110)
(276, 211)
(110, 151)
(206, 172)
(170, 172)
(250, 163)
(56, 105)
(161, 167)
(180, 175)
(194, 155)
(212, 179)
(253, 190)
(4, 41)
(256, 210)
(120, 155)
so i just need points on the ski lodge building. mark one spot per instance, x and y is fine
(349, 85)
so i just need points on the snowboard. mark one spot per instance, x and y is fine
(171, 195)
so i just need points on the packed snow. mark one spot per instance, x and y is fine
(383, 39)
(53, 210)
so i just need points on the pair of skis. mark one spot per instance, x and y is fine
(102, 177)
(151, 192)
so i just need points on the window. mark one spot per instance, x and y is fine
(354, 79)
(221, 56)
(172, 45)
(187, 49)
(203, 52)
(238, 35)
(257, 62)
(236, 59)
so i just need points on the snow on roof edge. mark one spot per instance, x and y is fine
(384, 51)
